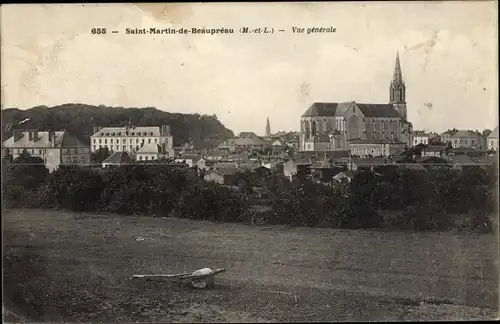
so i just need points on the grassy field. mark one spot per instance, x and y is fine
(62, 266)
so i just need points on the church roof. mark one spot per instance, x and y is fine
(374, 141)
(326, 109)
(378, 110)
(329, 109)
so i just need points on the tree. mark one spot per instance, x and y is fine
(100, 155)
(486, 132)
(25, 171)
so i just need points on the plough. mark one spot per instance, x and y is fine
(201, 278)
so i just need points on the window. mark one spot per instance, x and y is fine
(100, 141)
(130, 141)
(40, 151)
(107, 134)
(142, 141)
(117, 147)
(113, 134)
(140, 158)
(94, 140)
(75, 160)
(146, 157)
(133, 133)
(124, 141)
(149, 141)
(137, 140)
(105, 141)
(156, 140)
(151, 134)
(137, 147)
(124, 147)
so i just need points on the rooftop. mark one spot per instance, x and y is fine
(132, 131)
(118, 158)
(61, 139)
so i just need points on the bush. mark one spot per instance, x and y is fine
(425, 199)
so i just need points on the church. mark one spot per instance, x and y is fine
(364, 129)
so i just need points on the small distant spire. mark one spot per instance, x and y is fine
(268, 127)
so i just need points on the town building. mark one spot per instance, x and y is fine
(54, 147)
(433, 151)
(150, 152)
(117, 159)
(446, 136)
(375, 147)
(468, 138)
(425, 138)
(132, 138)
(333, 126)
(492, 140)
(247, 141)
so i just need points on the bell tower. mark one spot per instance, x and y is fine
(397, 91)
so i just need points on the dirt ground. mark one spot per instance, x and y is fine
(62, 266)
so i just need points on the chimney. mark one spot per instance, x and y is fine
(17, 134)
(35, 135)
(96, 129)
(165, 130)
(52, 138)
(30, 135)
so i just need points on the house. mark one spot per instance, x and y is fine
(214, 155)
(424, 138)
(375, 147)
(223, 176)
(356, 164)
(131, 138)
(469, 139)
(151, 152)
(190, 159)
(434, 150)
(53, 147)
(243, 143)
(344, 176)
(203, 164)
(117, 159)
(296, 167)
(446, 136)
(324, 172)
(492, 140)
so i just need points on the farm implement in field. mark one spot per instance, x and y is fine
(202, 278)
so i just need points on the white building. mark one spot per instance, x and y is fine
(150, 152)
(424, 138)
(131, 139)
(492, 140)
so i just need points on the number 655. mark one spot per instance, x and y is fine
(98, 30)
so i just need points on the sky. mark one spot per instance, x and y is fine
(448, 53)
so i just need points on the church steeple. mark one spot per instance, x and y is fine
(268, 128)
(397, 88)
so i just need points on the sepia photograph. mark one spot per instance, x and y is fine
(250, 162)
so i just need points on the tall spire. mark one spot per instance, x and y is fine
(268, 127)
(397, 89)
(398, 76)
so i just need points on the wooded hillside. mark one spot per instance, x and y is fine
(79, 119)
